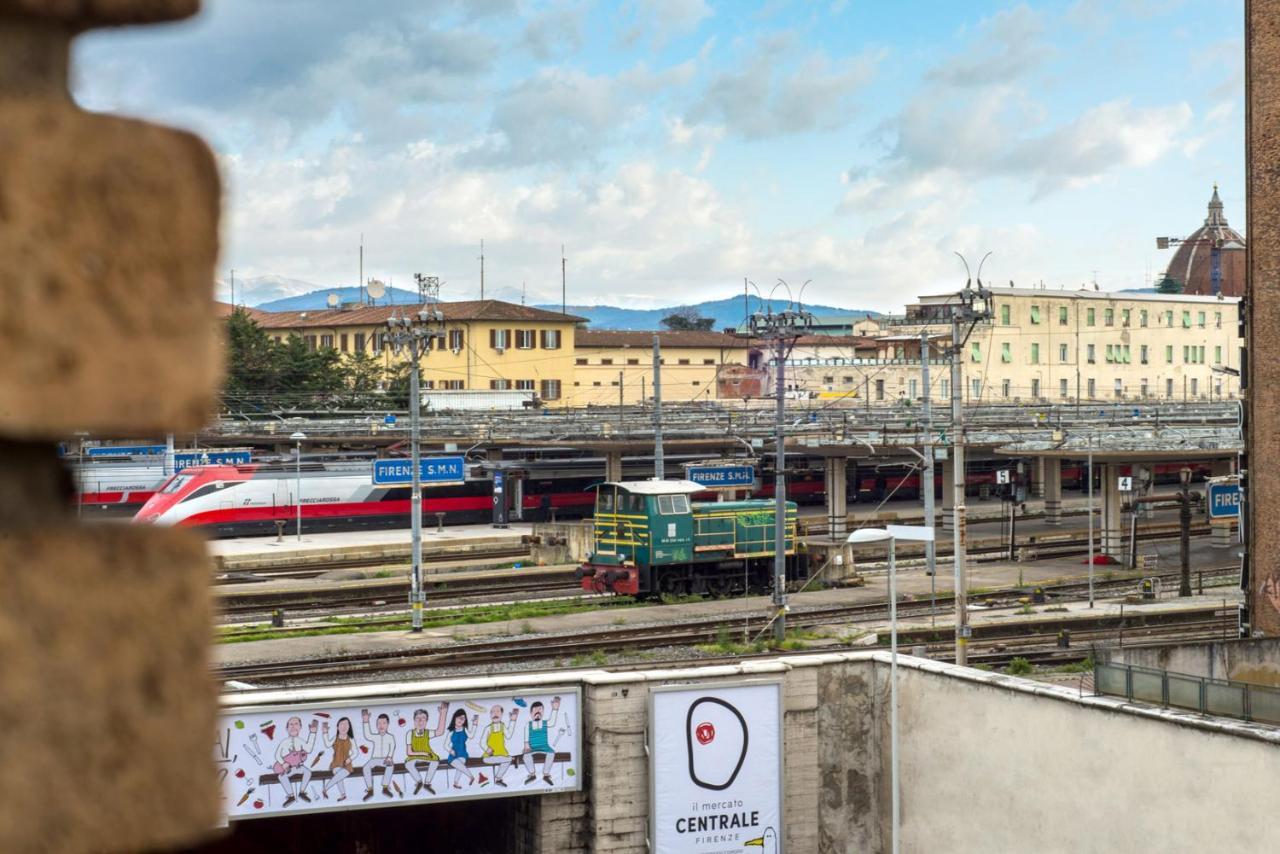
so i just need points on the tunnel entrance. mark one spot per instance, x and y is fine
(492, 826)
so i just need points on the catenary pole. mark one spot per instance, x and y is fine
(926, 476)
(659, 464)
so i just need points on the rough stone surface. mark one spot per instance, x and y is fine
(107, 707)
(1262, 136)
(83, 14)
(108, 241)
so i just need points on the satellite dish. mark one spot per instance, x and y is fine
(376, 289)
(332, 300)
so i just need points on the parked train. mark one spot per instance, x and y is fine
(650, 539)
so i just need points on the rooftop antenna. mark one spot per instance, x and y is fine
(482, 268)
(376, 290)
(332, 301)
(360, 278)
(524, 288)
(428, 288)
(564, 302)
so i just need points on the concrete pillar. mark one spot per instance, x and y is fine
(1219, 468)
(1037, 477)
(1221, 535)
(613, 466)
(836, 475)
(1112, 534)
(948, 494)
(1051, 488)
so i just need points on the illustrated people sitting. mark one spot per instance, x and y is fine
(536, 740)
(291, 758)
(343, 744)
(459, 735)
(381, 754)
(418, 750)
(495, 743)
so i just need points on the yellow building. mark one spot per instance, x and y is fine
(606, 361)
(487, 344)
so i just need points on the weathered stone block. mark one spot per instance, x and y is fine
(108, 241)
(83, 14)
(106, 702)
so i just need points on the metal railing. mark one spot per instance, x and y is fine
(1222, 697)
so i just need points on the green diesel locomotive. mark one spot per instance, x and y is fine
(650, 539)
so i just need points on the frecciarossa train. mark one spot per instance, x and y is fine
(650, 539)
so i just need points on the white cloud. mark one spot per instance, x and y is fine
(662, 21)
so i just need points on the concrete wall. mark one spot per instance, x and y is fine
(993, 763)
(1255, 660)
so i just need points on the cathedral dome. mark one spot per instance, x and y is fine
(1192, 264)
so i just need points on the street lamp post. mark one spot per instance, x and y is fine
(414, 333)
(298, 438)
(893, 533)
(1184, 538)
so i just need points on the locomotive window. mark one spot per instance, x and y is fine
(604, 502)
(176, 483)
(670, 504)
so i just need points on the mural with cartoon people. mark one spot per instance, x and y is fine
(399, 752)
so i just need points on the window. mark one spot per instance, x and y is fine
(359, 342)
(379, 342)
(1062, 353)
(1004, 388)
(524, 385)
(633, 361)
(1168, 388)
(326, 341)
(1200, 358)
(847, 380)
(498, 339)
(913, 389)
(1004, 315)
(1142, 317)
(829, 380)
(526, 339)
(1186, 320)
(1090, 356)
(343, 339)
(1035, 388)
(1195, 386)
(1090, 317)
(695, 382)
(1109, 317)
(1217, 319)
(1124, 317)
(453, 385)
(427, 384)
(1142, 354)
(1062, 388)
(669, 505)
(551, 389)
(1092, 389)
(1217, 387)
(879, 389)
(1142, 387)
(1111, 356)
(606, 361)
(1035, 353)
(497, 385)
(1186, 354)
(975, 351)
(1168, 318)
(945, 388)
(682, 361)
(1119, 388)
(1200, 319)
(976, 386)
(596, 383)
(1217, 355)
(1035, 314)
(1168, 354)
(1006, 355)
(1125, 355)
(455, 339)
(575, 361)
(551, 339)
(1062, 315)
(708, 361)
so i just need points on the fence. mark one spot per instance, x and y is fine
(1207, 696)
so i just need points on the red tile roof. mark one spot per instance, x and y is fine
(490, 309)
(613, 338)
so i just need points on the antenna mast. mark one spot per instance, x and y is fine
(428, 288)
(564, 303)
(482, 268)
(233, 287)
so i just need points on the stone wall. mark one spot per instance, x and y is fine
(1255, 660)
(108, 241)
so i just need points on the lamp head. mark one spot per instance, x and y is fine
(868, 535)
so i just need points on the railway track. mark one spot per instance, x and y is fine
(304, 569)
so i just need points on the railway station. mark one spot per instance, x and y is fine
(882, 558)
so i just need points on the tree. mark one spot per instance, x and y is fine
(365, 377)
(253, 362)
(1169, 285)
(687, 319)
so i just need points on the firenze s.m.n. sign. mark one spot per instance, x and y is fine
(716, 757)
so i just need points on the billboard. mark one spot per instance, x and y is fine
(716, 768)
(413, 750)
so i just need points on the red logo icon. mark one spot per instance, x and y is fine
(706, 733)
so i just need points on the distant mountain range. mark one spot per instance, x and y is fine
(278, 293)
(729, 312)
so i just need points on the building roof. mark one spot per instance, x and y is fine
(1050, 293)
(837, 341)
(489, 309)
(1192, 263)
(617, 338)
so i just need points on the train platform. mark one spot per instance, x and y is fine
(914, 586)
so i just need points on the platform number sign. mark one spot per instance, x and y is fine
(1125, 484)
(1002, 476)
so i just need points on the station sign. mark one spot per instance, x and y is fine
(716, 767)
(1224, 499)
(722, 477)
(433, 471)
(186, 459)
(406, 751)
(123, 450)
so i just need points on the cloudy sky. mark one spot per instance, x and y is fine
(676, 146)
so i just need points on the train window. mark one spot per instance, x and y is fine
(604, 501)
(671, 504)
(175, 484)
